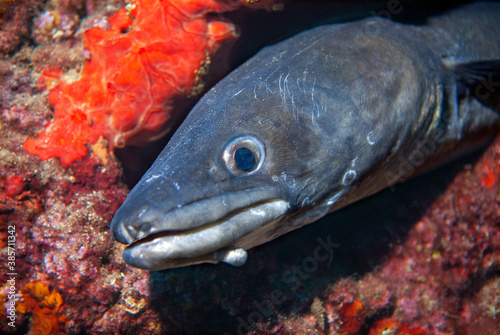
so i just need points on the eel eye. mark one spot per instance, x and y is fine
(244, 155)
(244, 159)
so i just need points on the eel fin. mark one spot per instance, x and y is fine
(482, 78)
(483, 72)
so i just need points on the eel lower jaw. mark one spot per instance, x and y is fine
(210, 243)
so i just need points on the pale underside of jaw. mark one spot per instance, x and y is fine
(212, 242)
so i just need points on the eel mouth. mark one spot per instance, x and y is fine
(207, 230)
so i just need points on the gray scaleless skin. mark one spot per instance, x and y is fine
(330, 116)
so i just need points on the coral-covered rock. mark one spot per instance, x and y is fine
(480, 313)
(15, 19)
(145, 56)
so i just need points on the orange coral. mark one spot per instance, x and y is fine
(43, 305)
(490, 175)
(353, 315)
(389, 326)
(153, 52)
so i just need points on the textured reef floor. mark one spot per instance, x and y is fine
(421, 258)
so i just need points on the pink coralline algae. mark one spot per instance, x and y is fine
(15, 19)
(65, 245)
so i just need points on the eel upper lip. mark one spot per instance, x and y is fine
(151, 220)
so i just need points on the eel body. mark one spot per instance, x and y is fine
(310, 125)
